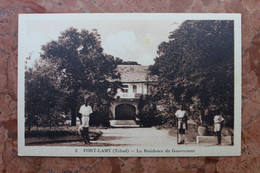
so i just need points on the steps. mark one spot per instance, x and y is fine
(123, 123)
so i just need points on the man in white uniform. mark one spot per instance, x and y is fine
(85, 110)
(181, 116)
(218, 123)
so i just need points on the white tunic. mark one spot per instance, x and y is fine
(180, 114)
(217, 122)
(85, 111)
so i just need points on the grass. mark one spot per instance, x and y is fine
(45, 135)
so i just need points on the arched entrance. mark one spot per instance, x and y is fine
(125, 112)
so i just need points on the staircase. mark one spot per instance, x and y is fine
(123, 123)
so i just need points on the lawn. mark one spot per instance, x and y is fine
(46, 135)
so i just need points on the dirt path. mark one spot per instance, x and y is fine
(143, 137)
(136, 137)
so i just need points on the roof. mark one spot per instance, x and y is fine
(133, 73)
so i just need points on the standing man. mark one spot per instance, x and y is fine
(218, 124)
(85, 110)
(181, 116)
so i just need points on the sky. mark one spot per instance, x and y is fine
(129, 38)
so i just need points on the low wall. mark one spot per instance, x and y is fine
(228, 140)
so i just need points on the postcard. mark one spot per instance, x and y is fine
(129, 85)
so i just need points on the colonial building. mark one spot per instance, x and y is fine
(125, 107)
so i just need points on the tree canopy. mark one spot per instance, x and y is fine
(42, 95)
(195, 68)
(72, 68)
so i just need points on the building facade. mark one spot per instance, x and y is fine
(125, 106)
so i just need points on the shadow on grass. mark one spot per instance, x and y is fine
(43, 136)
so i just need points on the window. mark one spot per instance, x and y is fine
(125, 89)
(134, 89)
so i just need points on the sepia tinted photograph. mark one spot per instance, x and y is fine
(130, 85)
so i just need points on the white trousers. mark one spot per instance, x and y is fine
(85, 121)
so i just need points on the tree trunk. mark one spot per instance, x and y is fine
(50, 120)
(201, 117)
(73, 115)
(29, 127)
(74, 106)
(29, 123)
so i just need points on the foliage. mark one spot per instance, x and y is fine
(42, 95)
(72, 69)
(195, 69)
(121, 62)
(147, 111)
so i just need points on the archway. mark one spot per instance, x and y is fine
(125, 112)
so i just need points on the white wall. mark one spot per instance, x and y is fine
(141, 89)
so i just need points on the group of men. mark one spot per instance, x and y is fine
(182, 125)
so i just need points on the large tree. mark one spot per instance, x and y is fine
(82, 70)
(42, 95)
(196, 68)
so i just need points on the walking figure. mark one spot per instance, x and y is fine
(85, 110)
(218, 123)
(181, 116)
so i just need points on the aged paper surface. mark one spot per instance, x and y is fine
(48, 128)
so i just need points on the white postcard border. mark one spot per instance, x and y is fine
(175, 151)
